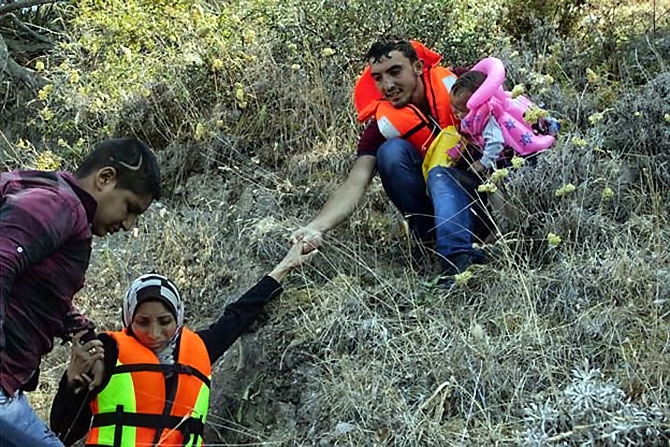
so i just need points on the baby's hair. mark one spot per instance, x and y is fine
(469, 81)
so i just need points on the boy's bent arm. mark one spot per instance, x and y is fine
(32, 226)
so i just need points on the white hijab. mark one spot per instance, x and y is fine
(155, 287)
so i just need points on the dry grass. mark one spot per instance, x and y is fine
(543, 346)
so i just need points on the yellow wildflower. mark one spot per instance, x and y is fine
(197, 12)
(518, 90)
(462, 278)
(39, 66)
(565, 189)
(596, 117)
(127, 54)
(46, 114)
(239, 94)
(326, 52)
(200, 131)
(608, 194)
(534, 113)
(487, 187)
(292, 47)
(74, 77)
(220, 124)
(553, 239)
(249, 36)
(44, 92)
(548, 79)
(217, 64)
(47, 161)
(591, 76)
(517, 162)
(295, 67)
(666, 117)
(498, 175)
(62, 143)
(579, 142)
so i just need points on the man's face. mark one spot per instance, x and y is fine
(118, 208)
(397, 78)
(459, 103)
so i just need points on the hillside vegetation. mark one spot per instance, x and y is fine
(563, 339)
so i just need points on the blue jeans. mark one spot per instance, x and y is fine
(20, 426)
(437, 209)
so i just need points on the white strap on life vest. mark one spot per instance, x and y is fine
(387, 128)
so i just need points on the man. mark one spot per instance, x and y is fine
(404, 94)
(47, 220)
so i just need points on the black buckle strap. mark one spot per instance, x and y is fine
(425, 121)
(120, 419)
(179, 368)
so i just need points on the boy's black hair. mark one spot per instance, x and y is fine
(135, 164)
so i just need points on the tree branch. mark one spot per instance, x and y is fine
(11, 7)
(17, 71)
(24, 27)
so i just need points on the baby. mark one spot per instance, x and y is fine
(493, 119)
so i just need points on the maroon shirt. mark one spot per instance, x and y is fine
(45, 246)
(371, 139)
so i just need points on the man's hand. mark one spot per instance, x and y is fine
(295, 257)
(83, 357)
(308, 238)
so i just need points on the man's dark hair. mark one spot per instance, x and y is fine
(135, 164)
(386, 44)
(470, 81)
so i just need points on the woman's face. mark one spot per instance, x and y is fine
(154, 325)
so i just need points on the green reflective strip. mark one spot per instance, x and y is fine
(200, 410)
(119, 391)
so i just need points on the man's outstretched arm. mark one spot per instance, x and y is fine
(341, 204)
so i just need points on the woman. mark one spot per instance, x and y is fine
(156, 378)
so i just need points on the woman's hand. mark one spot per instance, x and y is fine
(295, 257)
(81, 373)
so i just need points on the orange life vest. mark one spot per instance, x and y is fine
(135, 408)
(409, 122)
